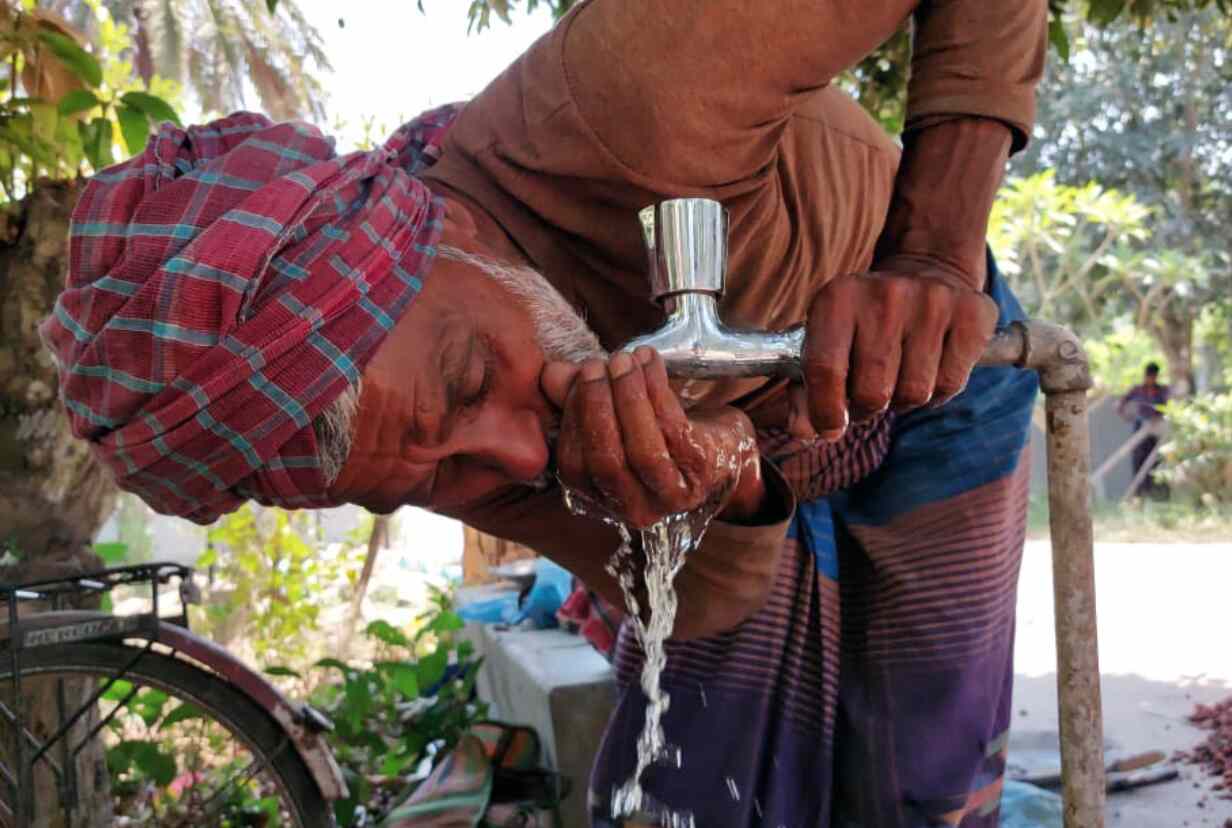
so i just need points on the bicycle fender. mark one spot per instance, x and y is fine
(289, 715)
(50, 628)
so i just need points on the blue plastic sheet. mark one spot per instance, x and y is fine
(1026, 806)
(538, 610)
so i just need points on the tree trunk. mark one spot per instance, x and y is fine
(378, 539)
(1173, 330)
(53, 495)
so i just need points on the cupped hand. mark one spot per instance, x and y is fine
(626, 442)
(902, 336)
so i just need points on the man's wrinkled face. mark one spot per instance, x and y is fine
(452, 411)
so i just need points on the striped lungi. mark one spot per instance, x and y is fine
(873, 688)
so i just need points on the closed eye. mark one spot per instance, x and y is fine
(480, 375)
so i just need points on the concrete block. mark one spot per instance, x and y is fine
(556, 683)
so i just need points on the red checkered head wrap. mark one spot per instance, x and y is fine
(224, 287)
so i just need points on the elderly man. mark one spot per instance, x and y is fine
(248, 316)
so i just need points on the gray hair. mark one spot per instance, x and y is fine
(335, 427)
(560, 330)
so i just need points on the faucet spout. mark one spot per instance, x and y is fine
(686, 242)
(695, 344)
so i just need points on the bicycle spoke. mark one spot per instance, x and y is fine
(185, 747)
(98, 694)
(254, 767)
(68, 758)
(32, 741)
(102, 722)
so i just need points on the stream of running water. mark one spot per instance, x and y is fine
(665, 545)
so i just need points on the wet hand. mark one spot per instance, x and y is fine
(901, 337)
(626, 442)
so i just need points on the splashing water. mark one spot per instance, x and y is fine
(665, 545)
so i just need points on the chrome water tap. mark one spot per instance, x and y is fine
(686, 243)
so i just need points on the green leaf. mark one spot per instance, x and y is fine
(285, 672)
(154, 107)
(135, 128)
(182, 713)
(1103, 12)
(83, 64)
(96, 142)
(394, 764)
(144, 757)
(78, 100)
(156, 765)
(447, 621)
(118, 690)
(388, 633)
(432, 668)
(271, 5)
(357, 701)
(111, 553)
(1059, 37)
(404, 677)
(335, 663)
(19, 131)
(149, 705)
(472, 675)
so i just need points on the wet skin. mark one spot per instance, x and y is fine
(459, 402)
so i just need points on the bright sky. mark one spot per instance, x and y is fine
(391, 62)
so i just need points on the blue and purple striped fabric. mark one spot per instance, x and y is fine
(873, 689)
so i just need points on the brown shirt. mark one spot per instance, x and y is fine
(629, 102)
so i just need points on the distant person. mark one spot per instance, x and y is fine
(1141, 406)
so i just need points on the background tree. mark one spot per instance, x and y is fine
(72, 103)
(1087, 256)
(1147, 111)
(223, 50)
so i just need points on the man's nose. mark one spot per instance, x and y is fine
(514, 443)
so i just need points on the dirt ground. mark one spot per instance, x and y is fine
(1165, 645)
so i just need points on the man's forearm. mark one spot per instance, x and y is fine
(944, 191)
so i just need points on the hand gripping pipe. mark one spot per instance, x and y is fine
(687, 244)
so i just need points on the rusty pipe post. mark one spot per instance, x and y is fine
(686, 241)
(1065, 378)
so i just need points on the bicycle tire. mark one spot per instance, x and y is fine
(246, 721)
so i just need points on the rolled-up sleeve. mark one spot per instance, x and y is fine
(978, 57)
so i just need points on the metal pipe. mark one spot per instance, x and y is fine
(1073, 585)
(686, 240)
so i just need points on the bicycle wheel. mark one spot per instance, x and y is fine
(183, 747)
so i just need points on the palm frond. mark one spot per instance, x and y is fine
(166, 28)
(226, 41)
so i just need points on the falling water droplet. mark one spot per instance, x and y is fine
(732, 789)
(664, 545)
